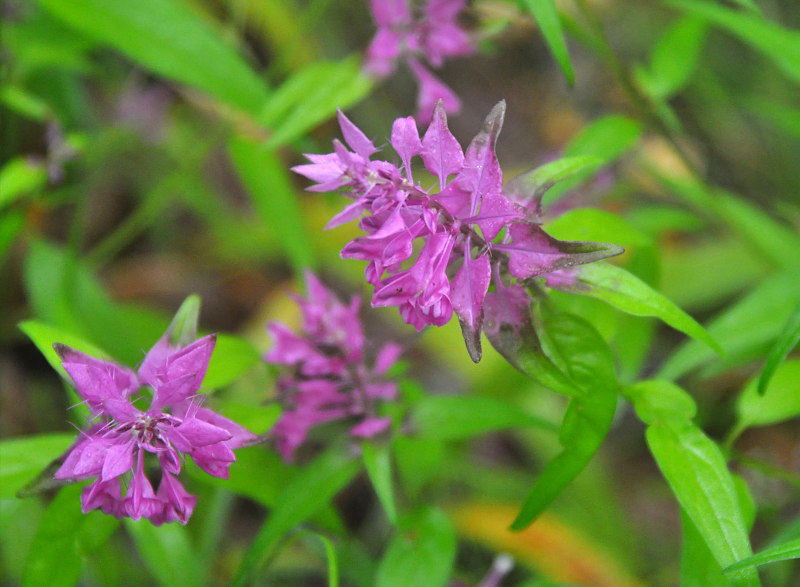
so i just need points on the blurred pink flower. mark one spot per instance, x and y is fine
(432, 35)
(330, 379)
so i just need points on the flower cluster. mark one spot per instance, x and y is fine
(474, 234)
(330, 379)
(123, 442)
(433, 36)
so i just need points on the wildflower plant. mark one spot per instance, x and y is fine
(476, 234)
(126, 445)
(147, 151)
(329, 378)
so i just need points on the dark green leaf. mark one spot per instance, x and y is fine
(170, 38)
(377, 461)
(421, 553)
(459, 417)
(267, 181)
(307, 493)
(546, 15)
(167, 553)
(787, 340)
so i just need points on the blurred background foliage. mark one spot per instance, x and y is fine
(144, 155)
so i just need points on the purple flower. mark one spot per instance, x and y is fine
(330, 379)
(433, 35)
(124, 442)
(473, 236)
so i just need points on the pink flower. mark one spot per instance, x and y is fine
(330, 379)
(470, 235)
(433, 35)
(115, 449)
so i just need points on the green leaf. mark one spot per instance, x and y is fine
(606, 138)
(546, 15)
(630, 294)
(232, 357)
(64, 536)
(307, 493)
(418, 461)
(535, 183)
(459, 417)
(172, 39)
(24, 458)
(12, 223)
(44, 336)
(695, 470)
(699, 568)
(19, 177)
(781, 552)
(745, 329)
(267, 182)
(674, 58)
(780, 401)
(167, 553)
(182, 331)
(311, 96)
(779, 45)
(64, 293)
(377, 461)
(787, 340)
(421, 553)
(586, 360)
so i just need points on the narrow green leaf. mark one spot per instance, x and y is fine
(311, 96)
(781, 552)
(746, 329)
(630, 294)
(780, 116)
(330, 555)
(699, 568)
(607, 138)
(546, 15)
(421, 553)
(12, 222)
(377, 461)
(458, 417)
(167, 553)
(787, 340)
(44, 336)
(576, 347)
(266, 179)
(586, 424)
(182, 331)
(696, 471)
(674, 57)
(20, 177)
(533, 184)
(780, 400)
(24, 458)
(418, 461)
(778, 44)
(307, 493)
(23, 102)
(170, 38)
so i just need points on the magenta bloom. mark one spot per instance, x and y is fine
(129, 448)
(479, 245)
(330, 378)
(432, 35)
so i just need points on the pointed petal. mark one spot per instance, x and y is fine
(387, 357)
(496, 212)
(96, 380)
(482, 174)
(405, 140)
(354, 137)
(118, 460)
(441, 152)
(370, 427)
(431, 90)
(200, 433)
(468, 291)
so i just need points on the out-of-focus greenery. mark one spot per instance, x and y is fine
(145, 150)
